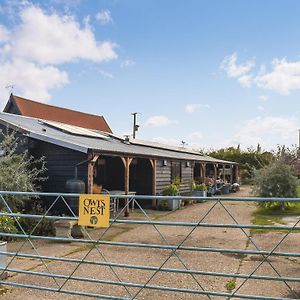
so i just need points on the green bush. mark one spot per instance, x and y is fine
(8, 225)
(171, 190)
(177, 182)
(275, 180)
(200, 187)
(44, 227)
(18, 171)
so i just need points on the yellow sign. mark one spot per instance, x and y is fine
(94, 210)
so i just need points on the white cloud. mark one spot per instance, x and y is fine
(166, 141)
(32, 50)
(106, 74)
(245, 80)
(230, 66)
(127, 63)
(268, 131)
(260, 107)
(263, 98)
(4, 34)
(284, 77)
(34, 81)
(104, 16)
(57, 39)
(158, 121)
(195, 136)
(191, 108)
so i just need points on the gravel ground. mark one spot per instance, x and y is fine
(204, 261)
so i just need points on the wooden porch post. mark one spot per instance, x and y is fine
(224, 177)
(215, 172)
(231, 174)
(91, 166)
(237, 177)
(126, 161)
(203, 172)
(153, 164)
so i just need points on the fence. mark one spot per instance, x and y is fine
(210, 253)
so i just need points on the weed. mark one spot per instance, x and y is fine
(230, 285)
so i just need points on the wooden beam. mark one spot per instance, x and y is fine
(237, 176)
(123, 160)
(95, 158)
(129, 160)
(215, 172)
(126, 161)
(91, 165)
(90, 178)
(153, 164)
(203, 172)
(224, 177)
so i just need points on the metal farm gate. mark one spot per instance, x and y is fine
(205, 251)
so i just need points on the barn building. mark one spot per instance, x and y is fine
(114, 162)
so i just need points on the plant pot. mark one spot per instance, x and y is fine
(199, 194)
(226, 189)
(169, 204)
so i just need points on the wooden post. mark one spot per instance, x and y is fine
(215, 172)
(126, 161)
(237, 177)
(153, 164)
(91, 165)
(231, 174)
(203, 172)
(224, 177)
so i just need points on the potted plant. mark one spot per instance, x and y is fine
(199, 190)
(169, 204)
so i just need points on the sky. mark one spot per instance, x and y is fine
(210, 73)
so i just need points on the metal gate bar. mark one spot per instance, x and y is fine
(153, 246)
(175, 250)
(137, 285)
(151, 268)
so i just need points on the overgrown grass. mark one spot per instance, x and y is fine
(273, 216)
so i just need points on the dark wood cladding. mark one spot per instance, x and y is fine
(60, 165)
(186, 177)
(163, 176)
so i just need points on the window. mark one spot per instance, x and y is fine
(175, 170)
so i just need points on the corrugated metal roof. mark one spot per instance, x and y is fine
(38, 129)
(75, 129)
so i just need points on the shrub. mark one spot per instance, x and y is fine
(171, 190)
(177, 182)
(200, 187)
(8, 225)
(45, 227)
(275, 180)
(18, 171)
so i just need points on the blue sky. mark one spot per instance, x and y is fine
(211, 73)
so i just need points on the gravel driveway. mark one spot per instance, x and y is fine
(204, 261)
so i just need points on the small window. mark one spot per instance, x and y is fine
(175, 170)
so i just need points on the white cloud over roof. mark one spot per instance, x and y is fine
(33, 49)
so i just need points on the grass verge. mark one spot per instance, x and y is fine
(274, 216)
